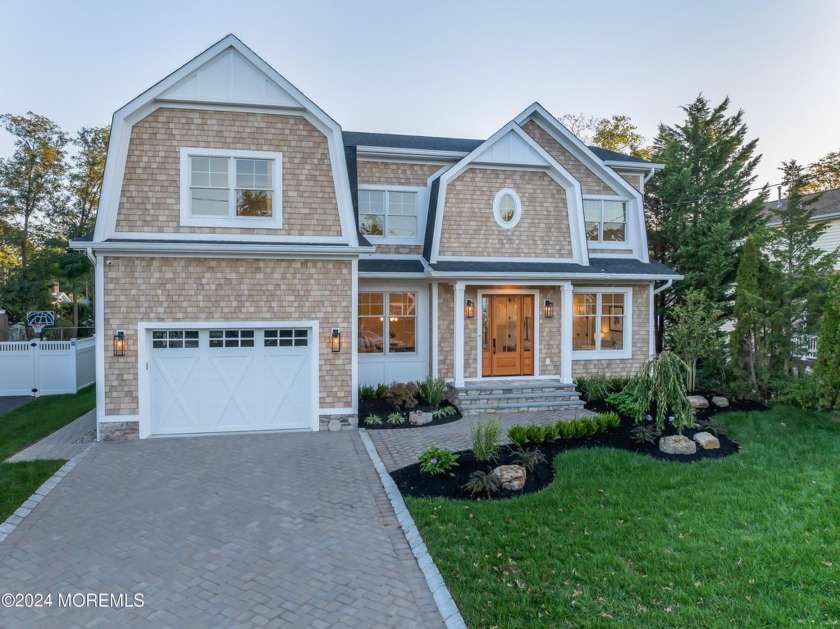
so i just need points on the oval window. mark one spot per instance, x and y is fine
(507, 208)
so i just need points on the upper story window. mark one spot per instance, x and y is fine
(507, 208)
(389, 214)
(606, 220)
(230, 188)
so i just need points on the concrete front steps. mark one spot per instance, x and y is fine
(487, 396)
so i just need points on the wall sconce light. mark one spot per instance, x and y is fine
(548, 309)
(119, 343)
(469, 309)
(335, 340)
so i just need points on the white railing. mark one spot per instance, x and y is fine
(807, 347)
(46, 367)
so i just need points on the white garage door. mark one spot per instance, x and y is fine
(229, 379)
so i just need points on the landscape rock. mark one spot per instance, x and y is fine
(335, 425)
(720, 402)
(677, 444)
(707, 440)
(419, 418)
(511, 476)
(698, 401)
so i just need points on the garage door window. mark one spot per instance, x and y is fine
(175, 339)
(286, 338)
(231, 338)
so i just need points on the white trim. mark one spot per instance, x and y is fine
(99, 339)
(535, 341)
(497, 210)
(419, 214)
(354, 336)
(231, 220)
(627, 350)
(148, 102)
(338, 410)
(458, 341)
(413, 155)
(478, 277)
(218, 249)
(502, 259)
(652, 339)
(434, 352)
(567, 338)
(234, 239)
(583, 153)
(619, 164)
(553, 169)
(143, 359)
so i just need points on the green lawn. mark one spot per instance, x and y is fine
(627, 541)
(24, 426)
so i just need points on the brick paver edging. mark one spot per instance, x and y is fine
(443, 599)
(26, 508)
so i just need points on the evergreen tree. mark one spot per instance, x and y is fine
(827, 368)
(748, 341)
(696, 333)
(698, 209)
(802, 268)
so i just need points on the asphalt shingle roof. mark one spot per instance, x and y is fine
(827, 205)
(390, 265)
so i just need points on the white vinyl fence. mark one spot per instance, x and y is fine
(46, 367)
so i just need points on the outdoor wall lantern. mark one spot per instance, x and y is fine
(469, 309)
(119, 343)
(335, 340)
(548, 309)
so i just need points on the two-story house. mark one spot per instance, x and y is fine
(255, 264)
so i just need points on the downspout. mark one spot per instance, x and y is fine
(91, 257)
(666, 285)
(655, 292)
(96, 315)
(649, 175)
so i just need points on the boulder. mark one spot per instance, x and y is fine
(419, 418)
(707, 440)
(720, 401)
(698, 401)
(334, 425)
(677, 444)
(511, 476)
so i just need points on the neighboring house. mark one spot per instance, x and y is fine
(826, 209)
(337, 259)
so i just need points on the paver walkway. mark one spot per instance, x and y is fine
(399, 447)
(64, 443)
(239, 530)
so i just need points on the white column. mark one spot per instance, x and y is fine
(459, 334)
(434, 352)
(566, 340)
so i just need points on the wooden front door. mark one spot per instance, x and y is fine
(507, 335)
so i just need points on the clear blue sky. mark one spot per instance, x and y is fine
(447, 67)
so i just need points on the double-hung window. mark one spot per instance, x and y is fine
(230, 188)
(389, 214)
(606, 220)
(387, 323)
(601, 323)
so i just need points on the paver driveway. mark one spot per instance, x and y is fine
(263, 530)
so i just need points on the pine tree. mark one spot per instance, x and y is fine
(827, 367)
(748, 341)
(802, 268)
(698, 207)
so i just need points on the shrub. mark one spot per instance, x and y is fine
(645, 433)
(373, 420)
(626, 401)
(594, 388)
(827, 367)
(485, 483)
(485, 438)
(535, 434)
(396, 419)
(436, 461)
(433, 390)
(580, 427)
(402, 395)
(518, 435)
(444, 411)
(609, 421)
(529, 459)
(591, 425)
(550, 433)
(367, 392)
(566, 430)
(381, 390)
(665, 386)
(798, 391)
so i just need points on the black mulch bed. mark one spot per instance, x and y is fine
(383, 408)
(413, 482)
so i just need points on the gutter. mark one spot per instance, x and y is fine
(218, 248)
